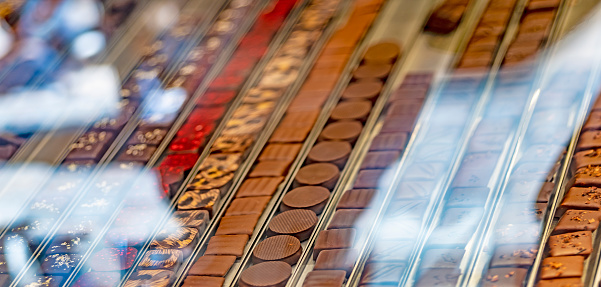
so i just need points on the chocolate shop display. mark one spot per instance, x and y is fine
(301, 143)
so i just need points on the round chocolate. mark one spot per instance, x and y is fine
(306, 197)
(324, 174)
(371, 71)
(382, 53)
(284, 248)
(351, 110)
(266, 274)
(342, 131)
(298, 223)
(328, 151)
(362, 90)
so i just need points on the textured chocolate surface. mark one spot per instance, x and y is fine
(356, 199)
(262, 186)
(582, 198)
(158, 278)
(203, 281)
(514, 255)
(382, 273)
(199, 199)
(351, 110)
(212, 265)
(573, 243)
(442, 258)
(345, 218)
(306, 197)
(274, 274)
(161, 259)
(362, 90)
(342, 131)
(227, 245)
(269, 168)
(336, 259)
(239, 224)
(62, 263)
(298, 222)
(389, 141)
(283, 152)
(324, 278)
(578, 220)
(562, 282)
(438, 277)
(333, 239)
(336, 152)
(504, 277)
(248, 205)
(113, 259)
(284, 248)
(324, 174)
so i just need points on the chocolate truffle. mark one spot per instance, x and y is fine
(266, 274)
(306, 197)
(297, 222)
(324, 174)
(284, 248)
(336, 152)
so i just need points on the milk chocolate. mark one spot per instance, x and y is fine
(342, 131)
(238, 224)
(209, 265)
(561, 267)
(297, 222)
(248, 205)
(274, 273)
(306, 197)
(333, 239)
(324, 174)
(573, 243)
(336, 152)
(227, 245)
(284, 248)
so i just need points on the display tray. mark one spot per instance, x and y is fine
(300, 143)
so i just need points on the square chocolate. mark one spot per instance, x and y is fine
(561, 267)
(514, 255)
(333, 239)
(227, 245)
(578, 220)
(248, 205)
(356, 199)
(383, 273)
(240, 224)
(261, 186)
(442, 258)
(582, 198)
(269, 168)
(573, 243)
(210, 265)
(504, 277)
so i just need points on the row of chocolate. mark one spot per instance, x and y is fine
(423, 174)
(134, 222)
(302, 205)
(64, 189)
(192, 136)
(310, 193)
(464, 204)
(216, 172)
(429, 164)
(54, 43)
(570, 244)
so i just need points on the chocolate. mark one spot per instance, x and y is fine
(248, 205)
(286, 134)
(203, 281)
(306, 197)
(371, 178)
(345, 218)
(442, 258)
(336, 259)
(324, 174)
(90, 279)
(262, 186)
(199, 199)
(543, 4)
(438, 277)
(446, 236)
(269, 168)
(445, 18)
(578, 220)
(190, 218)
(39, 281)
(378, 71)
(239, 224)
(504, 277)
(405, 107)
(561, 267)
(588, 176)
(281, 152)
(589, 140)
(382, 53)
(382, 273)
(563, 282)
(137, 153)
(582, 198)
(517, 233)
(389, 141)
(574, 243)
(336, 152)
(268, 274)
(90, 146)
(183, 238)
(460, 216)
(356, 199)
(333, 239)
(363, 90)
(212, 265)
(227, 245)
(113, 259)
(586, 157)
(232, 144)
(298, 223)
(324, 278)
(467, 197)
(414, 189)
(161, 259)
(351, 110)
(284, 248)
(391, 251)
(514, 255)
(147, 136)
(379, 159)
(398, 124)
(155, 278)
